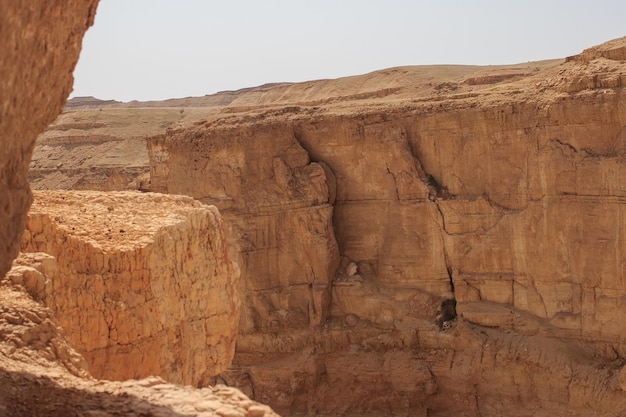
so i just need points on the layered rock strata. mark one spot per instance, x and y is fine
(502, 206)
(102, 149)
(143, 283)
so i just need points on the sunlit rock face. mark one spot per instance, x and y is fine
(40, 371)
(40, 47)
(143, 283)
(479, 231)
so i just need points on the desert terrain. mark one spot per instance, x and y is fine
(416, 241)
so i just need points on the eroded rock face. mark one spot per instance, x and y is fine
(503, 205)
(143, 283)
(40, 48)
(31, 335)
(42, 375)
(279, 205)
(40, 372)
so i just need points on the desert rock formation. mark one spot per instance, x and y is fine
(41, 43)
(279, 205)
(42, 375)
(40, 372)
(143, 283)
(497, 197)
(428, 241)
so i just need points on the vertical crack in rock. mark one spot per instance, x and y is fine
(437, 191)
(476, 397)
(443, 221)
(280, 204)
(313, 311)
(318, 314)
(448, 305)
(395, 183)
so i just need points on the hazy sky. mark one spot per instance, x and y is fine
(157, 49)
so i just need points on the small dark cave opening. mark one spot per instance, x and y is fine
(447, 313)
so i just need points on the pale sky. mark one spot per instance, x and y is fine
(158, 49)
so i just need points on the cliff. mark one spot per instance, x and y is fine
(41, 44)
(279, 204)
(40, 372)
(473, 266)
(143, 284)
(419, 241)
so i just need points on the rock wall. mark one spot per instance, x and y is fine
(143, 283)
(40, 372)
(42, 375)
(278, 203)
(30, 332)
(41, 42)
(503, 206)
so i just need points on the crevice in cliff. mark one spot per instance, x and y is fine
(437, 189)
(448, 305)
(443, 222)
(569, 150)
(395, 183)
(317, 315)
(476, 400)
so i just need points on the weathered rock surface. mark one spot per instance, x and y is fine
(30, 333)
(40, 48)
(279, 204)
(369, 211)
(143, 283)
(100, 145)
(42, 375)
(499, 199)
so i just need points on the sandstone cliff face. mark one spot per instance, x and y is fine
(40, 372)
(279, 205)
(143, 283)
(40, 48)
(505, 202)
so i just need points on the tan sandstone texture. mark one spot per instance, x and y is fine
(424, 241)
(143, 283)
(497, 196)
(42, 375)
(278, 202)
(40, 46)
(40, 372)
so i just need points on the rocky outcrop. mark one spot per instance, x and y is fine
(31, 335)
(40, 48)
(500, 205)
(42, 375)
(143, 283)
